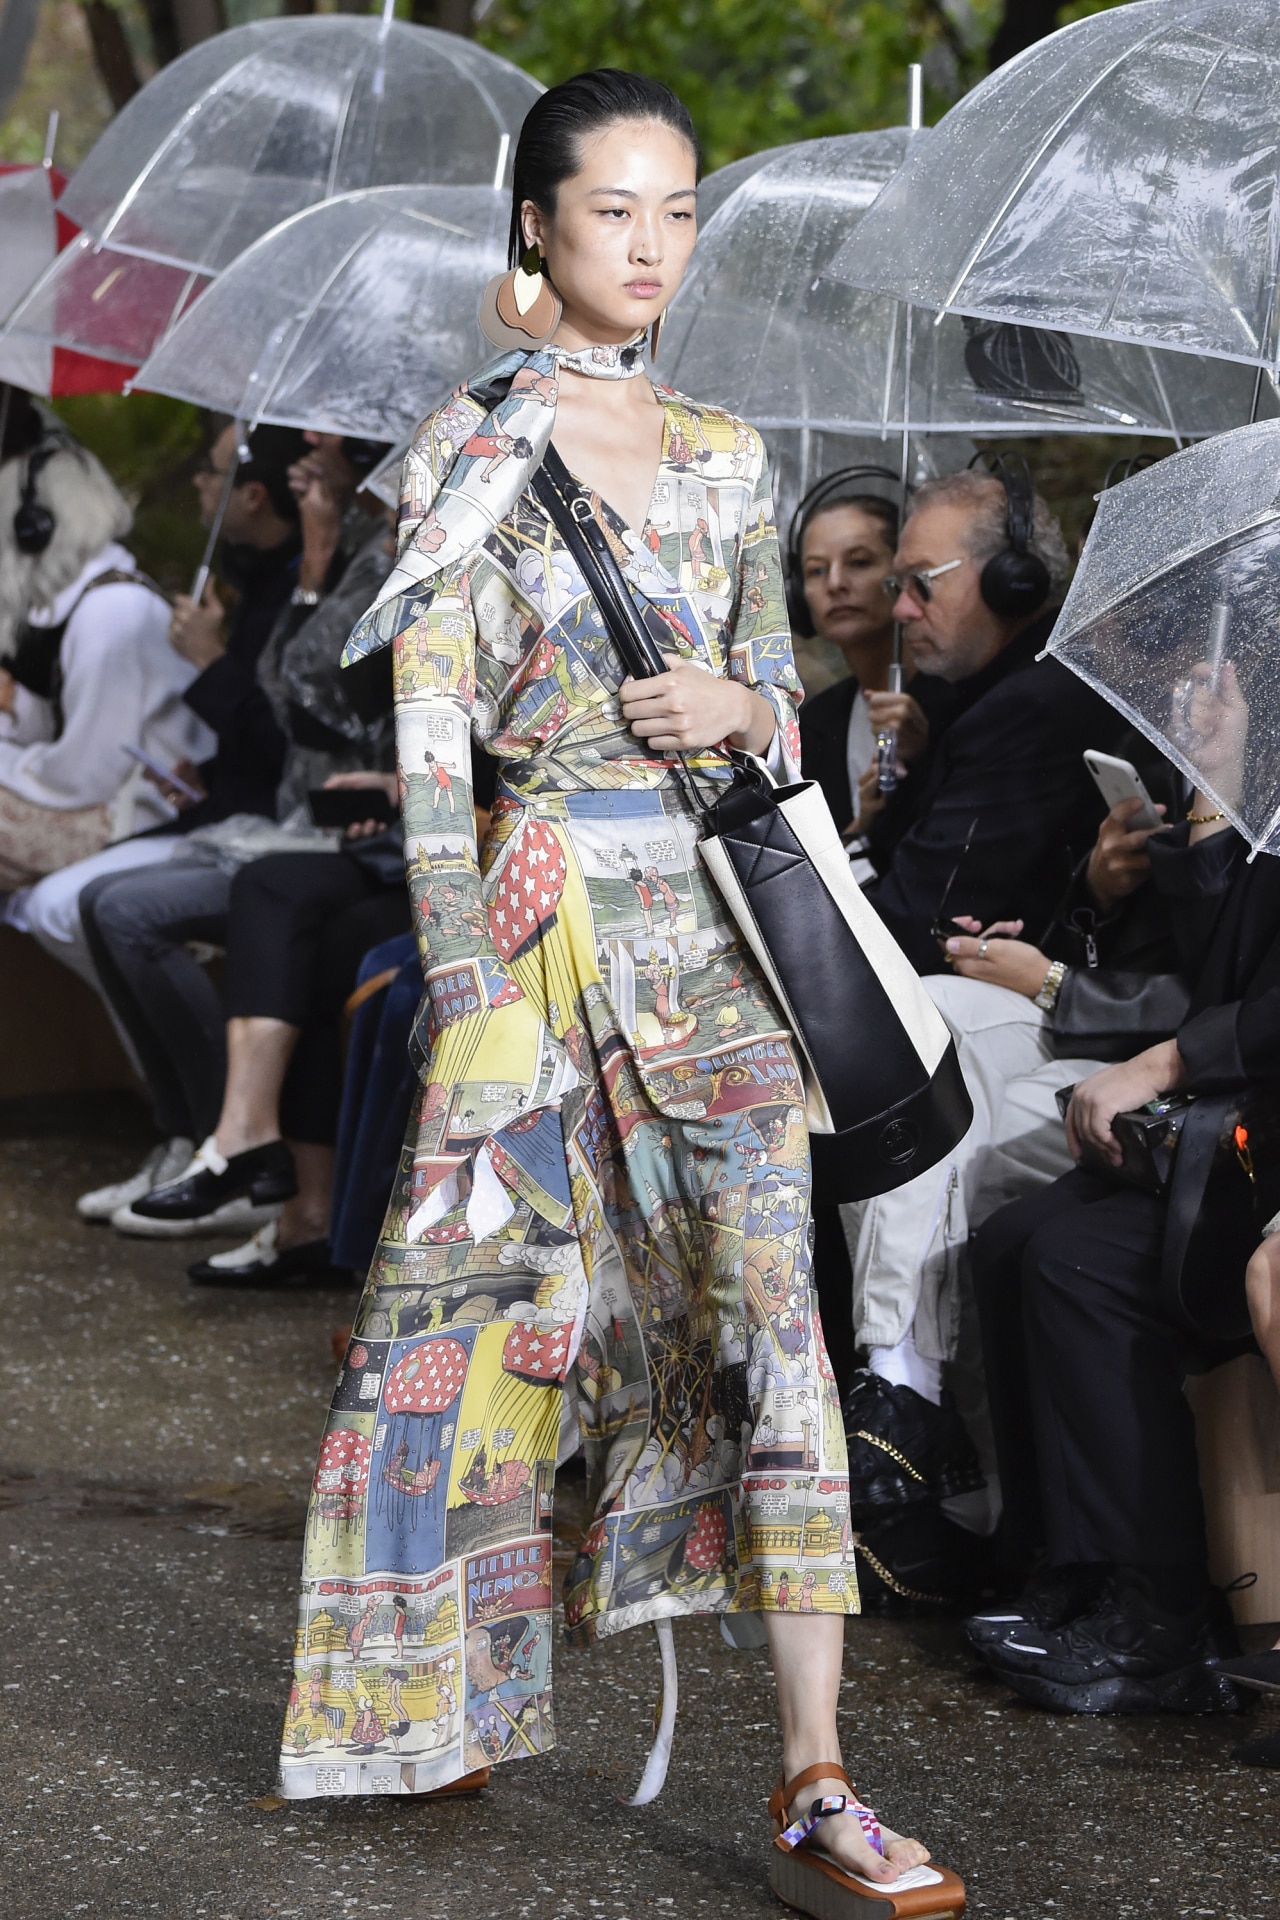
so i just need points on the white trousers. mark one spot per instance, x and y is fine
(904, 1246)
(50, 910)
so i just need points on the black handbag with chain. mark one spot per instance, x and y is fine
(886, 1097)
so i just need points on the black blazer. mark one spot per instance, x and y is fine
(824, 740)
(1008, 779)
(1226, 916)
(824, 737)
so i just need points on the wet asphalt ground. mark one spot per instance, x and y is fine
(156, 1444)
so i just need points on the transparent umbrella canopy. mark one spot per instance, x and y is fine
(817, 353)
(355, 316)
(1174, 616)
(1117, 180)
(245, 130)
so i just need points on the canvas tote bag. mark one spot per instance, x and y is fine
(885, 1095)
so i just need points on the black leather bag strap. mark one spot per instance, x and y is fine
(639, 649)
(569, 506)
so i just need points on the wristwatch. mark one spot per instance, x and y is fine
(306, 597)
(1047, 998)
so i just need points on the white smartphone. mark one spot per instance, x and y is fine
(1118, 780)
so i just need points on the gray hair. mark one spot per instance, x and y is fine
(987, 531)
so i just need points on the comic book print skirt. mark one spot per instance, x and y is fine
(599, 1233)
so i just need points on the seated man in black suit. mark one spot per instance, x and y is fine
(1005, 806)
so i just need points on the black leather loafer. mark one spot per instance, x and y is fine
(264, 1175)
(258, 1264)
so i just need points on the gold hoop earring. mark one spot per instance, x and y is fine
(521, 308)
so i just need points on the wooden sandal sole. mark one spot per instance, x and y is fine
(466, 1783)
(812, 1884)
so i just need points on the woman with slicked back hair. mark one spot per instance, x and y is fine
(603, 1207)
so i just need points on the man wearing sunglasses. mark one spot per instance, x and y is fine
(1006, 804)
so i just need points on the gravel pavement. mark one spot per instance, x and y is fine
(156, 1443)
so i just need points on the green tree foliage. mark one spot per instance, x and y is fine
(758, 73)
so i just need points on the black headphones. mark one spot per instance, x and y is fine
(1015, 582)
(814, 500)
(33, 523)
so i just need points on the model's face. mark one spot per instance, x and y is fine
(845, 556)
(623, 228)
(953, 633)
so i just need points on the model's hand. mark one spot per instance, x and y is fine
(1097, 1100)
(686, 708)
(7, 685)
(900, 712)
(388, 783)
(1007, 961)
(196, 632)
(1119, 864)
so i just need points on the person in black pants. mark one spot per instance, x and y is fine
(261, 1064)
(1085, 1361)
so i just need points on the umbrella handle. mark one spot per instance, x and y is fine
(201, 579)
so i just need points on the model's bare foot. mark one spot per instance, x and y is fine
(842, 1837)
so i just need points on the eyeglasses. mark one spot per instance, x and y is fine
(918, 584)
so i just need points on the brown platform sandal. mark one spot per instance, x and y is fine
(465, 1783)
(812, 1882)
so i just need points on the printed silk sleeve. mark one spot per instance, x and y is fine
(434, 675)
(760, 645)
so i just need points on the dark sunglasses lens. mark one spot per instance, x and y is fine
(915, 584)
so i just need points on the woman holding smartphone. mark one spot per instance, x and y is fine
(605, 1186)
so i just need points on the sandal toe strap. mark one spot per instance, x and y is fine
(832, 1803)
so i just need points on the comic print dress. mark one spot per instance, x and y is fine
(605, 1184)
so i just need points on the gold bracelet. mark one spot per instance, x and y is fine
(1204, 819)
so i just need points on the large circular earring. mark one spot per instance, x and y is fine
(521, 308)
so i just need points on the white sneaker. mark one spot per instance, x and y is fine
(162, 1164)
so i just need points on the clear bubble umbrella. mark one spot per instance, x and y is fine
(245, 130)
(355, 316)
(759, 326)
(1174, 616)
(1117, 180)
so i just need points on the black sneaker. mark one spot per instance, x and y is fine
(903, 1449)
(1054, 1597)
(263, 1174)
(1126, 1656)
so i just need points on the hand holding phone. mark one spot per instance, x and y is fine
(349, 806)
(1118, 780)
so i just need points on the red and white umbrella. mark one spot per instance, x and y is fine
(32, 233)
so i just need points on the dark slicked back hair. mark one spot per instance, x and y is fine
(272, 451)
(549, 149)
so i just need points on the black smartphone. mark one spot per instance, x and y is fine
(348, 806)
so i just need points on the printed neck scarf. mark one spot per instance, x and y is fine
(490, 471)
